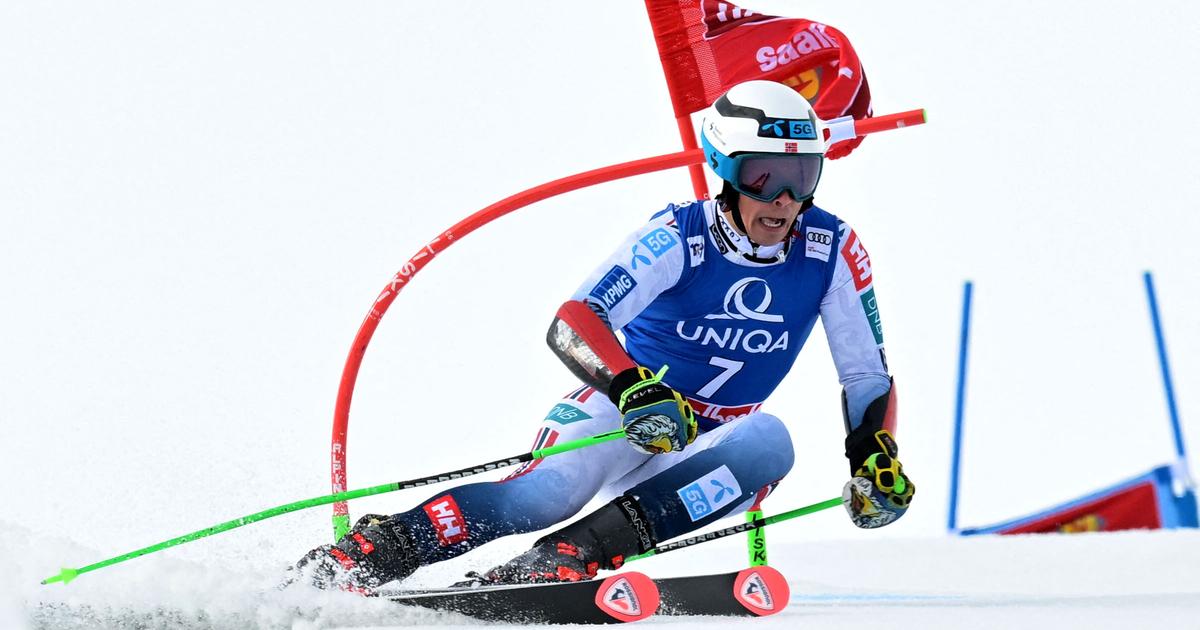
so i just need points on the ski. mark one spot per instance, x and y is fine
(753, 592)
(619, 598)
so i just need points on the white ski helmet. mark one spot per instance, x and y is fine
(764, 138)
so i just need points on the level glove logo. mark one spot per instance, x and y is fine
(879, 492)
(657, 419)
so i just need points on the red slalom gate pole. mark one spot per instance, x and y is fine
(341, 414)
(845, 127)
(889, 121)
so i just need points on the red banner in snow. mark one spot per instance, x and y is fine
(707, 46)
(1135, 507)
(1145, 502)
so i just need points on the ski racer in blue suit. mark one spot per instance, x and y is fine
(714, 299)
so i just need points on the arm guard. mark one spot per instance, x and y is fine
(880, 415)
(587, 346)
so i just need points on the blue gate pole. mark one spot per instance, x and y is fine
(956, 459)
(1180, 451)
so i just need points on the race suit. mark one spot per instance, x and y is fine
(728, 318)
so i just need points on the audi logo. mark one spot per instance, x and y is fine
(823, 239)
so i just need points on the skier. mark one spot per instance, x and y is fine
(715, 300)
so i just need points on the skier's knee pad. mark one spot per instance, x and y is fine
(767, 439)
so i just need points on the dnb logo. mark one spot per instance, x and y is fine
(710, 493)
(447, 520)
(613, 287)
(566, 414)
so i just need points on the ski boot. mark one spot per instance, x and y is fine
(600, 540)
(374, 552)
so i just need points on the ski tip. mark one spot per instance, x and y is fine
(626, 597)
(762, 590)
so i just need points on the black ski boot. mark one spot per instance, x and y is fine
(374, 552)
(600, 540)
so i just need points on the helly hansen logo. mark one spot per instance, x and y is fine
(613, 287)
(856, 257)
(447, 520)
(710, 493)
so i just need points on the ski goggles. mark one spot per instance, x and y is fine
(764, 176)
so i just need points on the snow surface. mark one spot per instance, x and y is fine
(1116, 580)
(200, 201)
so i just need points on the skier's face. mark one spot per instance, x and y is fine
(769, 222)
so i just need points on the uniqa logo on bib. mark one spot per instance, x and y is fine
(748, 299)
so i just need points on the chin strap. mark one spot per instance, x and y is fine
(727, 200)
(738, 244)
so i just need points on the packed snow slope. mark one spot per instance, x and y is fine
(1095, 581)
(201, 201)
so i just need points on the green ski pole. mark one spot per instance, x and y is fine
(756, 539)
(66, 575)
(737, 529)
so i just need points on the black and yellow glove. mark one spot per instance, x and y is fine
(657, 419)
(879, 492)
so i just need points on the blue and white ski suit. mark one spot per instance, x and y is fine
(684, 293)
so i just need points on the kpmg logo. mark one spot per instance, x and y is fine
(735, 302)
(710, 493)
(613, 287)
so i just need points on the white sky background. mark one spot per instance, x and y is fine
(199, 203)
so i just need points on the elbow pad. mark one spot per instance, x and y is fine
(586, 345)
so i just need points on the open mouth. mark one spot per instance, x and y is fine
(771, 223)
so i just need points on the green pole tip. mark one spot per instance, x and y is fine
(65, 576)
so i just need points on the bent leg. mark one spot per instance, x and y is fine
(719, 474)
(537, 495)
